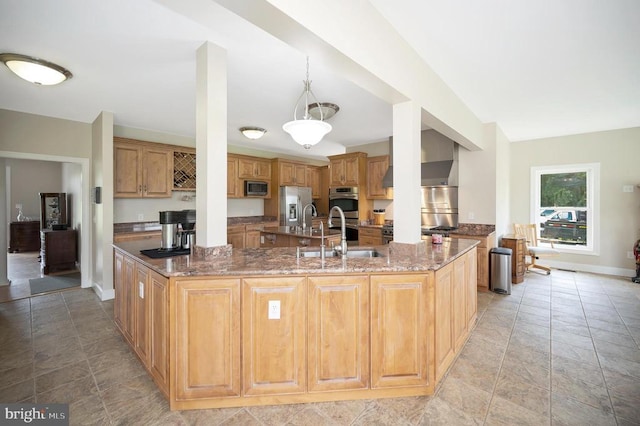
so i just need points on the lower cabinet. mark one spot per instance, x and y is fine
(212, 342)
(141, 310)
(369, 236)
(400, 328)
(207, 334)
(338, 333)
(274, 335)
(455, 308)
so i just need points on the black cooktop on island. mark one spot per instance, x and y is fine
(158, 253)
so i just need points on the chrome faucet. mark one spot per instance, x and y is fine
(322, 246)
(304, 216)
(343, 230)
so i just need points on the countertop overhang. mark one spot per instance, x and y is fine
(283, 261)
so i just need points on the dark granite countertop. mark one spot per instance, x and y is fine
(277, 261)
(298, 232)
(474, 230)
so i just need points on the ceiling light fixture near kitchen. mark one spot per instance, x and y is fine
(253, 132)
(35, 70)
(307, 131)
(324, 110)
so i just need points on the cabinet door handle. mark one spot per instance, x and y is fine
(140, 189)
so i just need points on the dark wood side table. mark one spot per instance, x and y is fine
(58, 252)
(518, 245)
(24, 236)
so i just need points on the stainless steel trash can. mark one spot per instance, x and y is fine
(500, 268)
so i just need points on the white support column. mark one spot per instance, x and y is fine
(211, 146)
(406, 172)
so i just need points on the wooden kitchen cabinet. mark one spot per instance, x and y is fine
(347, 169)
(518, 246)
(313, 180)
(400, 328)
(184, 169)
(141, 309)
(455, 309)
(158, 331)
(273, 335)
(234, 185)
(445, 346)
(58, 250)
(291, 174)
(369, 236)
(24, 236)
(236, 236)
(338, 333)
(142, 170)
(376, 169)
(253, 168)
(486, 244)
(207, 338)
(141, 338)
(124, 309)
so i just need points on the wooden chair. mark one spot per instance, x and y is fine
(530, 233)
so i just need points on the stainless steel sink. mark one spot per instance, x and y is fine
(360, 252)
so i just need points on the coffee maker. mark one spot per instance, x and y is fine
(187, 233)
(169, 221)
(178, 229)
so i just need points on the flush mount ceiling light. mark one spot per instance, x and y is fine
(35, 70)
(307, 131)
(252, 132)
(324, 110)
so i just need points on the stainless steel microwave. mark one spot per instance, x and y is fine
(254, 188)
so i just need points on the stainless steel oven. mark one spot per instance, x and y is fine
(346, 197)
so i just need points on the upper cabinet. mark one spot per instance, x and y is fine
(253, 168)
(313, 180)
(142, 170)
(347, 169)
(233, 184)
(291, 173)
(184, 169)
(376, 168)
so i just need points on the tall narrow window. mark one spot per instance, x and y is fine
(564, 203)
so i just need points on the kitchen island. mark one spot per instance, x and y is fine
(264, 326)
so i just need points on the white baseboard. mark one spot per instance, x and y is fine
(595, 269)
(104, 294)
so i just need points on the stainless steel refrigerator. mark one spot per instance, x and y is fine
(292, 200)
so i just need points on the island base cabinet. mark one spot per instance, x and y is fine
(401, 330)
(273, 335)
(159, 330)
(455, 309)
(207, 336)
(338, 336)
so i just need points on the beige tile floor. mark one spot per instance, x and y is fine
(561, 349)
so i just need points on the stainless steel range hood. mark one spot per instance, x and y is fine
(438, 160)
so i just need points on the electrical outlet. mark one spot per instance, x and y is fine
(140, 216)
(630, 255)
(274, 309)
(627, 188)
(18, 206)
(472, 215)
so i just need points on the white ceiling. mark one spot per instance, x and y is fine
(539, 69)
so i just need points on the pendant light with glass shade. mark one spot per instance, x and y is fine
(307, 131)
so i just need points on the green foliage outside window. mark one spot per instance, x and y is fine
(563, 190)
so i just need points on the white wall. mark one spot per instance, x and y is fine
(618, 152)
(28, 179)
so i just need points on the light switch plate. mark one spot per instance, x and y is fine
(274, 309)
(627, 188)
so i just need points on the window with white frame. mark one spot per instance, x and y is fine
(565, 206)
